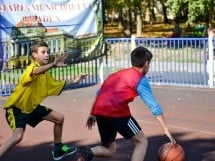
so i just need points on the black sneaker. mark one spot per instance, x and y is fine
(64, 151)
(84, 153)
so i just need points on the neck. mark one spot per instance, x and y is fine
(140, 70)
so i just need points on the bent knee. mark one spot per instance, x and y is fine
(18, 137)
(140, 139)
(143, 140)
(110, 150)
(59, 119)
(55, 117)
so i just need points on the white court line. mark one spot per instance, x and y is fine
(154, 123)
(178, 127)
(186, 88)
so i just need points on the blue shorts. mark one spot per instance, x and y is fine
(17, 119)
(109, 127)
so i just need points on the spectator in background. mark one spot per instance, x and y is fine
(211, 31)
(176, 30)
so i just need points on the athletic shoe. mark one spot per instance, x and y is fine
(64, 151)
(84, 153)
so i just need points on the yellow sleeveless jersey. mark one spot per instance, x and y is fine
(32, 90)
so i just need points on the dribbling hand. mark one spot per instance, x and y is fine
(172, 140)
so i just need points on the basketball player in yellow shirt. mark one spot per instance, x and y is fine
(23, 105)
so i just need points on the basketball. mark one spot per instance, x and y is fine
(171, 152)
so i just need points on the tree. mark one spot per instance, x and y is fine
(195, 10)
(129, 12)
(164, 9)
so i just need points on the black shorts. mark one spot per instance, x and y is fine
(108, 128)
(17, 119)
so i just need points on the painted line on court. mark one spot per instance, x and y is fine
(153, 123)
(178, 127)
(186, 88)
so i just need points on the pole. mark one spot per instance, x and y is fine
(211, 81)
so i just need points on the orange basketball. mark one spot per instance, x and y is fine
(171, 152)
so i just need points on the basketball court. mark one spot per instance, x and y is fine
(189, 114)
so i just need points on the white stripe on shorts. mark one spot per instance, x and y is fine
(133, 127)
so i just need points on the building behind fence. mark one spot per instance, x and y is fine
(176, 62)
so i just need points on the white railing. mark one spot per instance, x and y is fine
(176, 61)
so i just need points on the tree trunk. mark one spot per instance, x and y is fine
(120, 24)
(153, 14)
(165, 18)
(139, 25)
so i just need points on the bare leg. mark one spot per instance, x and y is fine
(12, 141)
(141, 144)
(58, 120)
(101, 151)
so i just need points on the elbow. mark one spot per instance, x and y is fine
(157, 111)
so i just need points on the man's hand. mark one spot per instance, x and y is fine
(77, 80)
(172, 140)
(90, 122)
(59, 60)
(80, 78)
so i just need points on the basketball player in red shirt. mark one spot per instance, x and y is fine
(112, 114)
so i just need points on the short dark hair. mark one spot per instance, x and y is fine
(139, 56)
(37, 44)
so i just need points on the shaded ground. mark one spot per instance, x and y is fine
(158, 29)
(189, 113)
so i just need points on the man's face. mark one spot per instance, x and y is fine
(146, 67)
(42, 55)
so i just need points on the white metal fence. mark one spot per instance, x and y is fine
(179, 62)
(176, 62)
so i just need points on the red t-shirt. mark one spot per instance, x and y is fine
(116, 92)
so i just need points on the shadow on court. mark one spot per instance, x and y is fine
(195, 150)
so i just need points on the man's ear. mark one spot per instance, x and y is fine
(146, 63)
(34, 54)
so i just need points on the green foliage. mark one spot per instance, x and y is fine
(175, 5)
(197, 10)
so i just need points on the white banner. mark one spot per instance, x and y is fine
(54, 21)
(77, 17)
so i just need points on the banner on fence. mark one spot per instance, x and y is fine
(68, 26)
